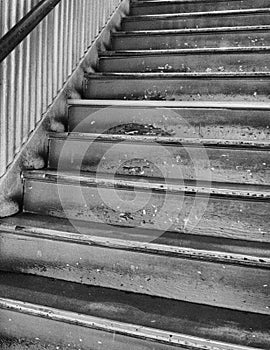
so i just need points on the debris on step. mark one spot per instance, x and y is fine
(56, 126)
(32, 160)
(139, 129)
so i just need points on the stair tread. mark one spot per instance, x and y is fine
(155, 7)
(202, 187)
(135, 2)
(211, 30)
(195, 142)
(152, 2)
(152, 318)
(28, 224)
(214, 50)
(197, 14)
(221, 250)
(205, 86)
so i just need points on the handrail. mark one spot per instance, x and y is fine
(18, 33)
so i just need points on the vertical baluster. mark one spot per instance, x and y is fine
(19, 86)
(33, 77)
(3, 121)
(86, 9)
(78, 34)
(97, 8)
(82, 29)
(67, 12)
(44, 68)
(55, 48)
(103, 14)
(50, 46)
(25, 80)
(92, 20)
(70, 36)
(74, 43)
(60, 44)
(99, 15)
(3, 94)
(11, 88)
(39, 77)
(85, 44)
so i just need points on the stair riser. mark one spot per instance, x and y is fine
(185, 41)
(196, 22)
(194, 89)
(227, 62)
(32, 332)
(231, 218)
(169, 162)
(232, 286)
(199, 6)
(221, 124)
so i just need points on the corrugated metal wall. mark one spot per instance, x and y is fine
(32, 75)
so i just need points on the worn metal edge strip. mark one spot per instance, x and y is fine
(136, 3)
(192, 31)
(197, 14)
(168, 52)
(195, 75)
(210, 30)
(140, 247)
(171, 104)
(202, 188)
(106, 325)
(165, 140)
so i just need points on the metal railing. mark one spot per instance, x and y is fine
(34, 71)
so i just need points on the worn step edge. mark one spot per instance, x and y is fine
(161, 2)
(168, 238)
(211, 30)
(251, 192)
(198, 14)
(196, 51)
(190, 142)
(173, 75)
(73, 296)
(106, 325)
(140, 247)
(179, 75)
(172, 104)
(157, 2)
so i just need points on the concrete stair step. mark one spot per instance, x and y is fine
(205, 86)
(248, 36)
(195, 120)
(49, 313)
(234, 211)
(219, 249)
(161, 157)
(209, 19)
(122, 244)
(242, 59)
(144, 268)
(161, 7)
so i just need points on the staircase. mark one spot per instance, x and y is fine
(149, 228)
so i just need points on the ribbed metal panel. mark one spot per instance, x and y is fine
(32, 75)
